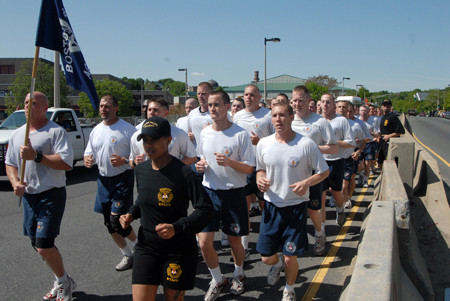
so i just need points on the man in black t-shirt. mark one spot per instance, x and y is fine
(390, 126)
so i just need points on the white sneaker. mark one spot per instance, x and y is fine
(274, 273)
(319, 245)
(366, 184)
(125, 264)
(215, 289)
(348, 204)
(288, 296)
(51, 295)
(64, 290)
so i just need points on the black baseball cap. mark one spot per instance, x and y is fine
(386, 102)
(155, 127)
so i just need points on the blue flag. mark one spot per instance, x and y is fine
(54, 32)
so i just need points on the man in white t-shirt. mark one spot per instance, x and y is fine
(199, 117)
(109, 147)
(285, 163)
(345, 140)
(227, 158)
(256, 121)
(182, 122)
(48, 155)
(369, 153)
(318, 129)
(180, 147)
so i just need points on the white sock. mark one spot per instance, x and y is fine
(216, 274)
(133, 243)
(62, 279)
(244, 241)
(238, 271)
(279, 264)
(126, 251)
(339, 209)
(319, 234)
(322, 226)
(289, 288)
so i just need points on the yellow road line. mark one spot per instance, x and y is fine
(329, 258)
(442, 159)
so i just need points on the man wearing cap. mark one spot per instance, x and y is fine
(390, 126)
(167, 251)
(109, 147)
(227, 158)
(180, 147)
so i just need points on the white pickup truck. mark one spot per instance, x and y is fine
(78, 134)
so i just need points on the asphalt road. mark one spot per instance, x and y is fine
(90, 255)
(434, 132)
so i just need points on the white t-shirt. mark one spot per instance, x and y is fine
(106, 140)
(258, 122)
(286, 164)
(358, 133)
(364, 127)
(180, 147)
(234, 142)
(316, 128)
(197, 121)
(343, 132)
(182, 123)
(48, 140)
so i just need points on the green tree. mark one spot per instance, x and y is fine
(363, 92)
(316, 90)
(44, 83)
(176, 88)
(103, 87)
(323, 80)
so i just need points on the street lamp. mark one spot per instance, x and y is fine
(343, 79)
(357, 89)
(186, 83)
(275, 40)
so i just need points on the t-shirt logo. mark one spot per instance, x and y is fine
(257, 125)
(386, 122)
(173, 272)
(293, 162)
(40, 226)
(307, 129)
(113, 140)
(165, 196)
(227, 151)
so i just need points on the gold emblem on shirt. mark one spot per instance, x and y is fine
(173, 272)
(386, 122)
(165, 196)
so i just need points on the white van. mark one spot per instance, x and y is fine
(353, 99)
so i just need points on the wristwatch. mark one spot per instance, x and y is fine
(38, 158)
(127, 160)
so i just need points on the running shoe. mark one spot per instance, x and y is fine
(288, 296)
(255, 211)
(215, 289)
(340, 218)
(237, 285)
(319, 245)
(64, 290)
(125, 264)
(348, 204)
(274, 273)
(51, 295)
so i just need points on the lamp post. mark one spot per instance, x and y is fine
(357, 89)
(275, 40)
(343, 79)
(186, 84)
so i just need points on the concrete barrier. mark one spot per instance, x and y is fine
(378, 274)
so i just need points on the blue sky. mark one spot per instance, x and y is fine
(383, 45)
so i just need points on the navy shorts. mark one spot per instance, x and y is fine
(174, 271)
(283, 228)
(230, 208)
(351, 167)
(114, 194)
(369, 151)
(315, 197)
(251, 187)
(43, 212)
(336, 176)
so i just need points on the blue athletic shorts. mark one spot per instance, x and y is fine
(369, 151)
(230, 208)
(43, 212)
(315, 197)
(283, 228)
(251, 187)
(115, 194)
(351, 167)
(336, 176)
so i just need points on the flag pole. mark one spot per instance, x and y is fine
(30, 106)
